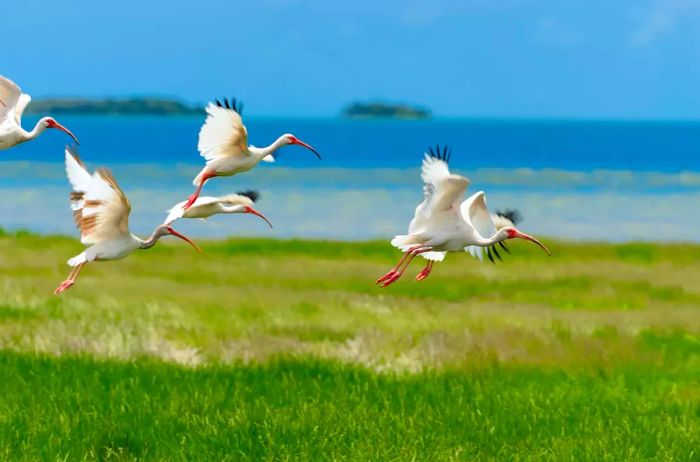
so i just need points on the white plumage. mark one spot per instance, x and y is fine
(12, 105)
(441, 224)
(223, 143)
(101, 213)
(223, 134)
(204, 207)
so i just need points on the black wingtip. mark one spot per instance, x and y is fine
(503, 246)
(233, 104)
(511, 214)
(443, 154)
(495, 252)
(250, 194)
(488, 252)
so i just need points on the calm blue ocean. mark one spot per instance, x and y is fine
(567, 145)
(578, 180)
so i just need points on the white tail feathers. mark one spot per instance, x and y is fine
(78, 259)
(407, 241)
(434, 256)
(403, 242)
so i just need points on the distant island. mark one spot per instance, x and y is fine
(128, 106)
(385, 110)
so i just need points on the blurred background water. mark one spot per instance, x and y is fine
(579, 180)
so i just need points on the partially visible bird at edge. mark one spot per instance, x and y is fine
(12, 105)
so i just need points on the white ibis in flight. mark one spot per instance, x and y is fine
(12, 104)
(223, 142)
(101, 212)
(441, 224)
(204, 207)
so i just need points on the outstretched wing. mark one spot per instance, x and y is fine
(441, 189)
(100, 208)
(223, 133)
(476, 213)
(9, 97)
(24, 100)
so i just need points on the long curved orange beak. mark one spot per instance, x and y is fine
(255, 212)
(58, 126)
(301, 143)
(527, 237)
(184, 238)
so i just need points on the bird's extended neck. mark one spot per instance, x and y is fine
(482, 241)
(36, 131)
(268, 150)
(151, 240)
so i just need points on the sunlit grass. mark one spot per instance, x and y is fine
(249, 299)
(287, 350)
(76, 408)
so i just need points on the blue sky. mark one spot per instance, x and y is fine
(502, 58)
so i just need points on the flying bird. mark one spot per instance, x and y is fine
(204, 207)
(223, 142)
(101, 213)
(441, 224)
(12, 104)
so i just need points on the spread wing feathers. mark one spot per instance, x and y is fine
(24, 100)
(223, 133)
(441, 189)
(9, 97)
(476, 214)
(100, 208)
(435, 165)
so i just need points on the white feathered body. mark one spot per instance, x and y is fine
(223, 142)
(203, 207)
(113, 249)
(101, 212)
(440, 221)
(227, 166)
(10, 136)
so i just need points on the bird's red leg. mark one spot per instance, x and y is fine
(426, 271)
(68, 283)
(393, 270)
(398, 273)
(195, 195)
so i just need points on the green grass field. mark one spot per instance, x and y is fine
(285, 350)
